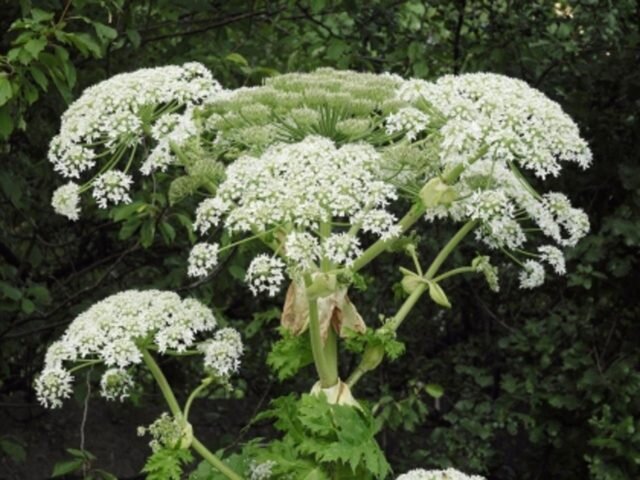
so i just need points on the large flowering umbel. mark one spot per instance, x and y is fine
(448, 474)
(113, 332)
(295, 191)
(103, 129)
(491, 128)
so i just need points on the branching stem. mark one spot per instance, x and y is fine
(176, 411)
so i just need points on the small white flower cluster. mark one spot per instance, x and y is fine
(111, 117)
(112, 186)
(66, 200)
(261, 471)
(265, 274)
(491, 125)
(296, 188)
(222, 353)
(115, 384)
(170, 130)
(409, 120)
(202, 259)
(111, 332)
(448, 474)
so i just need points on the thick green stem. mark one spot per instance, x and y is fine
(162, 382)
(213, 460)
(412, 299)
(325, 354)
(174, 406)
(448, 248)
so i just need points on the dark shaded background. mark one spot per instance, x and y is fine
(541, 385)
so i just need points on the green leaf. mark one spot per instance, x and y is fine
(437, 295)
(167, 464)
(67, 466)
(289, 354)
(147, 233)
(13, 449)
(6, 123)
(434, 390)
(35, 46)
(39, 76)
(27, 306)
(168, 232)
(134, 37)
(6, 91)
(237, 58)
(10, 291)
(104, 31)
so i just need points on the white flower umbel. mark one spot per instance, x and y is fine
(490, 128)
(209, 213)
(298, 189)
(448, 474)
(116, 384)
(203, 259)
(302, 249)
(409, 120)
(66, 200)
(112, 332)
(265, 274)
(222, 353)
(554, 257)
(341, 248)
(110, 119)
(532, 275)
(513, 120)
(112, 187)
(53, 385)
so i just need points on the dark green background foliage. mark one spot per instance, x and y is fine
(515, 386)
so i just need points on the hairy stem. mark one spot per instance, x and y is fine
(176, 411)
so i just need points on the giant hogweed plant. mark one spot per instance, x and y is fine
(327, 171)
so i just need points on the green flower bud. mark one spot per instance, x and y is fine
(436, 192)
